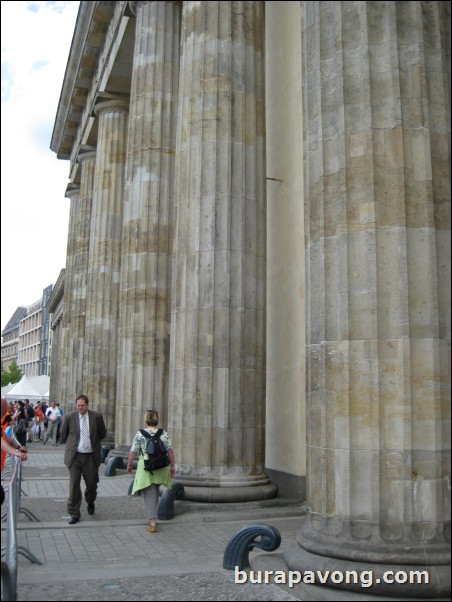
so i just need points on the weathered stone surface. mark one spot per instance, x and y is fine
(217, 371)
(377, 443)
(104, 263)
(205, 303)
(147, 237)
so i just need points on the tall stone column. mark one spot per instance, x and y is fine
(376, 112)
(80, 253)
(217, 370)
(55, 360)
(101, 326)
(143, 358)
(65, 394)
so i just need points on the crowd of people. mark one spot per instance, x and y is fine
(82, 432)
(30, 422)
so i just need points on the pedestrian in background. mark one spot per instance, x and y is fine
(9, 445)
(52, 415)
(20, 424)
(29, 413)
(38, 420)
(82, 431)
(7, 425)
(59, 422)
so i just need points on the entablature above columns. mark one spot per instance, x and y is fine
(135, 5)
(56, 297)
(99, 65)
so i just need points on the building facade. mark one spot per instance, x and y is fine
(25, 338)
(30, 340)
(10, 338)
(259, 248)
(44, 335)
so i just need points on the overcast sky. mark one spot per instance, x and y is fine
(35, 40)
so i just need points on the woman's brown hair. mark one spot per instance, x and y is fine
(151, 418)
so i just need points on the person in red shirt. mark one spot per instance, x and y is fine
(39, 421)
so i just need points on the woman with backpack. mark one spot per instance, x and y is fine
(154, 449)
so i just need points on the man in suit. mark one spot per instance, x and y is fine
(82, 431)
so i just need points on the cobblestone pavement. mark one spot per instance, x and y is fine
(188, 586)
(111, 556)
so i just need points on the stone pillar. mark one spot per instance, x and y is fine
(101, 327)
(143, 358)
(217, 370)
(376, 112)
(55, 360)
(80, 253)
(65, 393)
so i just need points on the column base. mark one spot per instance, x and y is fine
(366, 541)
(273, 567)
(121, 451)
(109, 441)
(117, 458)
(366, 580)
(219, 494)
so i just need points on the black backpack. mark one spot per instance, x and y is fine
(156, 450)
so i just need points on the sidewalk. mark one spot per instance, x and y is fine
(111, 556)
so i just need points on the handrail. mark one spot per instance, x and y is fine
(11, 552)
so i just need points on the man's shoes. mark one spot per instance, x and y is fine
(91, 508)
(73, 520)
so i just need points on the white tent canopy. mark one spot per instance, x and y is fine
(6, 389)
(41, 384)
(33, 388)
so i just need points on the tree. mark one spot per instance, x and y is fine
(13, 375)
(5, 376)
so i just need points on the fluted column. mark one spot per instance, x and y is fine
(99, 376)
(80, 253)
(377, 214)
(64, 390)
(217, 371)
(55, 361)
(143, 360)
